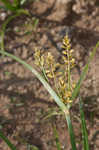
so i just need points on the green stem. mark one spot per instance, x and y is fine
(83, 125)
(69, 84)
(44, 73)
(71, 132)
(58, 145)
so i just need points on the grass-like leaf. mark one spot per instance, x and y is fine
(52, 113)
(4, 26)
(11, 146)
(57, 139)
(83, 124)
(9, 6)
(83, 74)
(16, 3)
(2, 33)
(71, 132)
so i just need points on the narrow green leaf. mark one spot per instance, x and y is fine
(83, 124)
(2, 33)
(71, 132)
(23, 11)
(11, 146)
(57, 139)
(35, 23)
(53, 113)
(16, 3)
(4, 26)
(44, 74)
(78, 85)
(9, 6)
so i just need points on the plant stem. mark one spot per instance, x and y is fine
(71, 132)
(83, 125)
(69, 84)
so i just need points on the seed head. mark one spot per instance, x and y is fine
(61, 76)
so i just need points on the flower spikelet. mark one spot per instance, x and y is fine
(38, 58)
(50, 65)
(65, 87)
(67, 52)
(64, 93)
(66, 43)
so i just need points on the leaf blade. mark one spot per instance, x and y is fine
(83, 124)
(11, 146)
(71, 132)
(57, 139)
(78, 85)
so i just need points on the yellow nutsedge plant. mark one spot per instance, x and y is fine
(66, 91)
(62, 79)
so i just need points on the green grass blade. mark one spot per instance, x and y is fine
(71, 132)
(2, 33)
(11, 146)
(9, 6)
(77, 88)
(16, 3)
(35, 23)
(57, 139)
(83, 124)
(42, 80)
(53, 113)
(4, 26)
